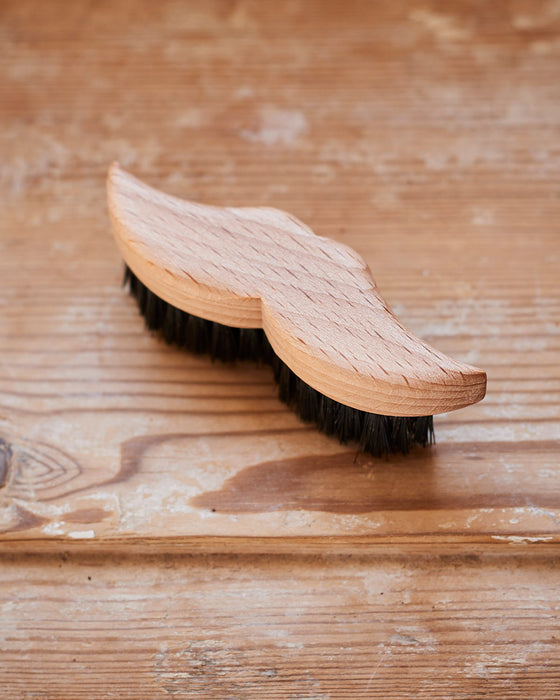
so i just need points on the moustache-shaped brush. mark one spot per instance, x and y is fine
(256, 283)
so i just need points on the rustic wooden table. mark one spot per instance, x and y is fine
(168, 527)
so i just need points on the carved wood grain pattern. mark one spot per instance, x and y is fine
(314, 298)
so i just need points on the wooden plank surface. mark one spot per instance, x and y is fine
(420, 137)
(280, 627)
(423, 134)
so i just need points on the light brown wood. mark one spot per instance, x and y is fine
(314, 298)
(85, 626)
(271, 490)
(433, 127)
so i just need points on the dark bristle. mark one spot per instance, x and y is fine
(379, 435)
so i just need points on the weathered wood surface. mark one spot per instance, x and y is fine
(424, 138)
(279, 627)
(423, 134)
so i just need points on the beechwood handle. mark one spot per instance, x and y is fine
(314, 297)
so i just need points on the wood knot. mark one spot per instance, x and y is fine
(5, 460)
(33, 470)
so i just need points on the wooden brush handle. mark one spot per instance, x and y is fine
(314, 298)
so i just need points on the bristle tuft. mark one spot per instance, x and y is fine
(379, 435)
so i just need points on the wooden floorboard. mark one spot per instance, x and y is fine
(167, 526)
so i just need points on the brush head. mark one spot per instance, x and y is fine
(376, 434)
(241, 283)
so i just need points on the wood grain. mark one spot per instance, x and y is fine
(280, 627)
(314, 298)
(425, 136)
